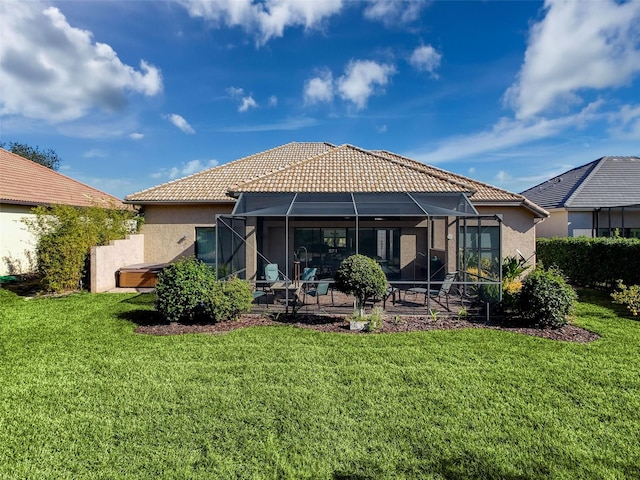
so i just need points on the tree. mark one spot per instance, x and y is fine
(361, 277)
(49, 158)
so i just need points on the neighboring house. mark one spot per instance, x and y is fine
(318, 203)
(599, 199)
(25, 184)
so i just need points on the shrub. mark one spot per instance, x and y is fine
(229, 299)
(546, 298)
(511, 294)
(183, 288)
(361, 277)
(65, 236)
(628, 296)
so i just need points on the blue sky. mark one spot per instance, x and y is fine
(134, 94)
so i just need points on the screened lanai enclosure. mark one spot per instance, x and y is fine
(417, 238)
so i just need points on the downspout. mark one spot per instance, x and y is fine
(217, 241)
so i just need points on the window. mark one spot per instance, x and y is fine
(325, 248)
(206, 244)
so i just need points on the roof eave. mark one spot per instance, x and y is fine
(178, 202)
(528, 204)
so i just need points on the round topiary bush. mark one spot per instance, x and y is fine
(361, 277)
(546, 298)
(183, 289)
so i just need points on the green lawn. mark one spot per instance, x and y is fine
(83, 396)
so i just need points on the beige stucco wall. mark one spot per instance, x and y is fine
(555, 225)
(170, 230)
(518, 230)
(17, 244)
(106, 260)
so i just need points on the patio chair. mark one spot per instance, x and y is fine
(390, 292)
(322, 288)
(271, 272)
(258, 294)
(308, 274)
(443, 291)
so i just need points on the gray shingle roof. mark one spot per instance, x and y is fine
(606, 182)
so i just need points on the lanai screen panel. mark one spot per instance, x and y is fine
(386, 204)
(322, 204)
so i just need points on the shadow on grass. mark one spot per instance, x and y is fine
(602, 299)
(306, 318)
(143, 318)
(142, 299)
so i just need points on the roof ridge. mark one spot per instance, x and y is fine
(598, 164)
(443, 174)
(224, 165)
(51, 171)
(274, 171)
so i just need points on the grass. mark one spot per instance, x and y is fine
(83, 396)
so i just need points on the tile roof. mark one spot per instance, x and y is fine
(25, 182)
(322, 167)
(350, 169)
(483, 192)
(606, 182)
(212, 185)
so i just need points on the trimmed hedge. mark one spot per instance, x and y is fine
(592, 262)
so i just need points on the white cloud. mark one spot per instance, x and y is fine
(55, 72)
(579, 45)
(265, 19)
(382, 129)
(235, 92)
(626, 122)
(189, 168)
(180, 122)
(362, 79)
(393, 12)
(319, 89)
(94, 153)
(505, 134)
(247, 103)
(289, 124)
(136, 136)
(426, 59)
(273, 101)
(502, 176)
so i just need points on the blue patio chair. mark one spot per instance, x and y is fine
(271, 272)
(321, 289)
(308, 274)
(258, 294)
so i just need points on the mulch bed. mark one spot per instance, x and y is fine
(568, 333)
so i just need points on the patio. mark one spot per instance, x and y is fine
(398, 303)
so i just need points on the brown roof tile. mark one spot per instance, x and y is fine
(25, 182)
(484, 193)
(322, 167)
(212, 185)
(350, 169)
